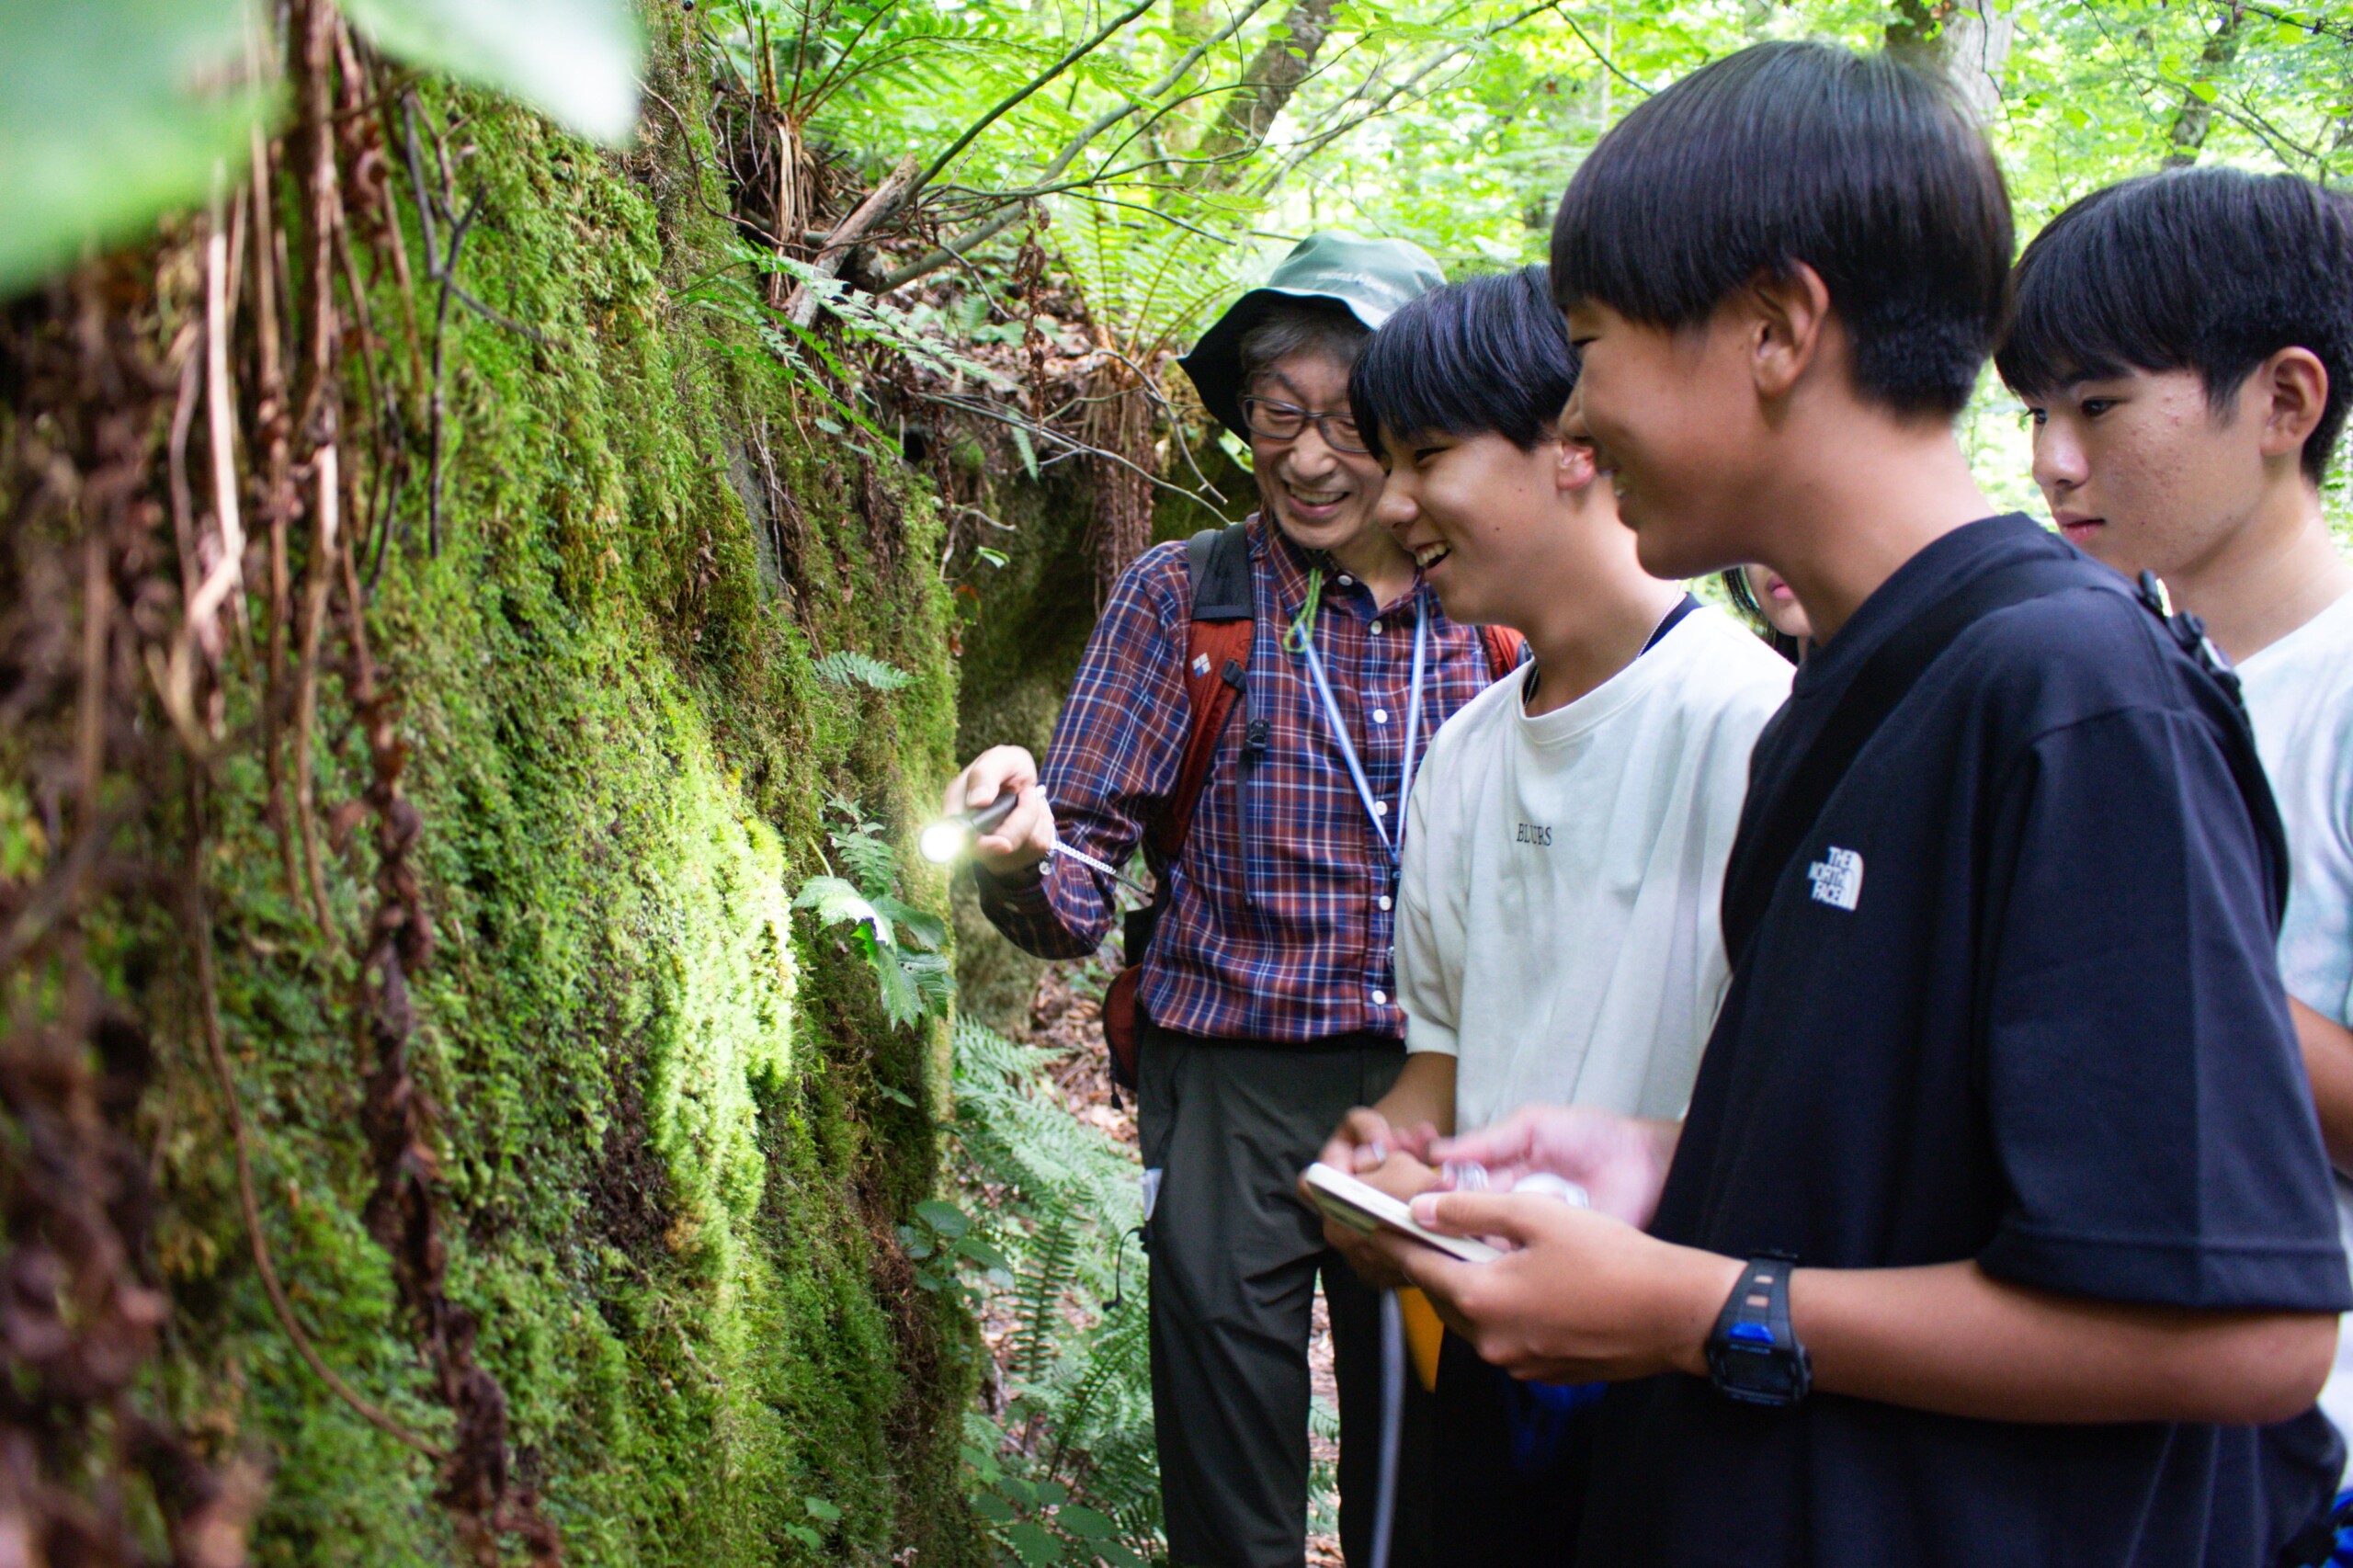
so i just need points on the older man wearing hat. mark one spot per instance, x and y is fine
(1267, 1007)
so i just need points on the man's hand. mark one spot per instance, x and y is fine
(1364, 1140)
(1582, 1298)
(1027, 836)
(1367, 1147)
(1621, 1161)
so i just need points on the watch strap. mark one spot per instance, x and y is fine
(1753, 1330)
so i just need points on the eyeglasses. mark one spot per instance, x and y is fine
(1286, 421)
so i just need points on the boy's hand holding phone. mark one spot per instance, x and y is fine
(1579, 1296)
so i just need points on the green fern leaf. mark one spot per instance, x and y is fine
(850, 667)
(835, 903)
(871, 863)
(916, 927)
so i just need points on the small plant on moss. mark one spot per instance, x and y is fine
(850, 667)
(899, 940)
(942, 1239)
(825, 1516)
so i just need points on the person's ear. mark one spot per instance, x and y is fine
(1785, 322)
(2290, 391)
(1573, 467)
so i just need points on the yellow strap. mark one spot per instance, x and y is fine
(1423, 1334)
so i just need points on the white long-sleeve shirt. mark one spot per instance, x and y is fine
(1557, 926)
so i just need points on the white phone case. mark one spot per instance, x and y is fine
(1365, 1207)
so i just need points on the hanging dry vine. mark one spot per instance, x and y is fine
(152, 411)
(1118, 424)
(87, 593)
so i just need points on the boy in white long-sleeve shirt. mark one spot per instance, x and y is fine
(2185, 344)
(1557, 930)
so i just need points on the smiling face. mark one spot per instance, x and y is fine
(1323, 498)
(1669, 416)
(2141, 471)
(1479, 516)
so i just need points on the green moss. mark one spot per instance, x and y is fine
(677, 1135)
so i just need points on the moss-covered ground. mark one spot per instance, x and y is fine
(678, 1134)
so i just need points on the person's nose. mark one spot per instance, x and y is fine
(2059, 465)
(1571, 423)
(1396, 510)
(1311, 456)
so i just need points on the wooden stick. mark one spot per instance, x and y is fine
(801, 308)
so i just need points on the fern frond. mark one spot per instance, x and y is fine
(835, 902)
(870, 861)
(850, 667)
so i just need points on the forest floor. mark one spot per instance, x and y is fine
(1063, 1019)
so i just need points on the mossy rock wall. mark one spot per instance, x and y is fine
(677, 1133)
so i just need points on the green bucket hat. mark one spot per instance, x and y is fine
(1371, 277)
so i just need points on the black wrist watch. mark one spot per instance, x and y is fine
(1754, 1355)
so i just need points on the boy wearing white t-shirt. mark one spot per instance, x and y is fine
(1557, 921)
(2185, 344)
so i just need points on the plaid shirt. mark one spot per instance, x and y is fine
(1279, 918)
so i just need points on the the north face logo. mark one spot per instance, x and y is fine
(1838, 878)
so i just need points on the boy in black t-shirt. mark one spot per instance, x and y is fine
(2001, 1122)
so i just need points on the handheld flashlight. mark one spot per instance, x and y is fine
(951, 836)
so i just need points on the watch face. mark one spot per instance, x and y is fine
(1765, 1376)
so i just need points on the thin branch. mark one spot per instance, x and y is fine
(1152, 212)
(931, 262)
(954, 250)
(1608, 64)
(325, 518)
(416, 177)
(493, 317)
(827, 85)
(1300, 152)
(448, 278)
(886, 199)
(199, 932)
(1078, 448)
(1116, 25)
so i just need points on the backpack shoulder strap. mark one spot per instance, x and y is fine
(1506, 649)
(1218, 562)
(1767, 842)
(2188, 632)
(1217, 666)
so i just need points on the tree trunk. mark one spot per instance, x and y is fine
(1273, 77)
(2195, 118)
(1963, 40)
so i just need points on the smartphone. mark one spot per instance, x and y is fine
(1362, 1207)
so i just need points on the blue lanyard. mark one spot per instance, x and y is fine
(1304, 631)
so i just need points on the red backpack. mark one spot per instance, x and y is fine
(1217, 667)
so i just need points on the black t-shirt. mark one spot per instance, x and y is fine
(2014, 1000)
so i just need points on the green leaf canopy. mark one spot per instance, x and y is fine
(112, 111)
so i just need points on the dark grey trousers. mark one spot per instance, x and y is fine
(1228, 1125)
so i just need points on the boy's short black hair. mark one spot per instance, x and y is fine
(1864, 168)
(2206, 269)
(1485, 356)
